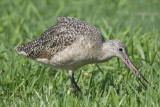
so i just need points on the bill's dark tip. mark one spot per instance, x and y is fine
(142, 77)
(142, 82)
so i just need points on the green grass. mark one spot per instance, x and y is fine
(24, 82)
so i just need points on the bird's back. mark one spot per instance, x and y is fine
(59, 37)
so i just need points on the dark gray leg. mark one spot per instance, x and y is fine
(74, 85)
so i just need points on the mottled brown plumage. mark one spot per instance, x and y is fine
(60, 36)
(72, 43)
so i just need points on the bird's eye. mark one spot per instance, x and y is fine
(120, 49)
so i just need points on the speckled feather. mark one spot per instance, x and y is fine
(59, 37)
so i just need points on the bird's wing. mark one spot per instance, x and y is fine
(53, 40)
(57, 38)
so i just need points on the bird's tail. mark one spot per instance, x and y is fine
(30, 49)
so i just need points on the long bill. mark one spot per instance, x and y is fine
(128, 62)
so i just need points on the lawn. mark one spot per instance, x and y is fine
(24, 82)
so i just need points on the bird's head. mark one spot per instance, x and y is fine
(118, 49)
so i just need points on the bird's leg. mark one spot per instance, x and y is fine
(74, 85)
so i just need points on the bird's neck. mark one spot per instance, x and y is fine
(106, 52)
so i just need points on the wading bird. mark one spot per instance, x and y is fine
(72, 43)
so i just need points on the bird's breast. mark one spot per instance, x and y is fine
(78, 54)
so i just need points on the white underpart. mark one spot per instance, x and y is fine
(43, 60)
(23, 53)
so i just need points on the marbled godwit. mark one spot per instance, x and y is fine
(72, 43)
